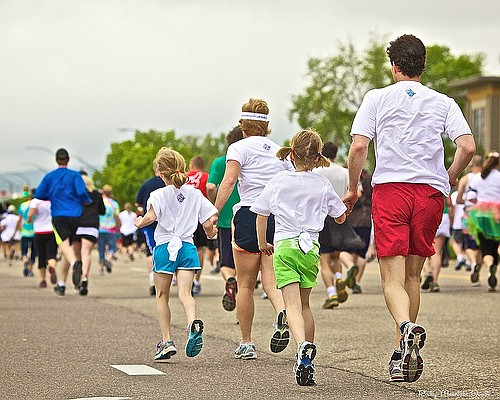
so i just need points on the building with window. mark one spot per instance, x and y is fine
(482, 109)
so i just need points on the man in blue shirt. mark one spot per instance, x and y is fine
(66, 191)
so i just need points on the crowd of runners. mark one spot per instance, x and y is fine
(281, 216)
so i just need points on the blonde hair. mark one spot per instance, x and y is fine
(171, 166)
(306, 149)
(251, 127)
(89, 183)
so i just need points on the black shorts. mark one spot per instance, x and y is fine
(128, 240)
(245, 231)
(225, 247)
(46, 247)
(65, 227)
(200, 237)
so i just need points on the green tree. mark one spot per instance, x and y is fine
(338, 83)
(130, 162)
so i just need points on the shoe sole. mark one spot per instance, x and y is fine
(77, 273)
(108, 266)
(329, 305)
(342, 294)
(427, 282)
(412, 367)
(229, 298)
(195, 341)
(53, 276)
(246, 356)
(492, 279)
(165, 356)
(84, 288)
(304, 374)
(350, 280)
(281, 336)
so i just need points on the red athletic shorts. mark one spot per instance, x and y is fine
(405, 218)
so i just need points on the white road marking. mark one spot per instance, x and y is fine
(103, 398)
(138, 370)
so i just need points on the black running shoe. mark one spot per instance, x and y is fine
(84, 287)
(152, 290)
(474, 277)
(229, 298)
(108, 266)
(427, 282)
(281, 335)
(77, 273)
(492, 279)
(60, 290)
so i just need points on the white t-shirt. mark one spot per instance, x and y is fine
(127, 219)
(9, 224)
(488, 189)
(337, 175)
(178, 212)
(257, 157)
(406, 121)
(459, 212)
(42, 222)
(300, 202)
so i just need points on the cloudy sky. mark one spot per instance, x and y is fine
(82, 74)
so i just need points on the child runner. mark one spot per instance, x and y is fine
(177, 208)
(299, 217)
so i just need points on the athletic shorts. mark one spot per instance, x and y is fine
(468, 242)
(457, 235)
(444, 227)
(405, 218)
(364, 233)
(225, 238)
(187, 258)
(245, 231)
(47, 248)
(65, 227)
(127, 240)
(200, 237)
(88, 233)
(149, 237)
(291, 265)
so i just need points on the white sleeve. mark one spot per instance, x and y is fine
(366, 118)
(235, 153)
(262, 204)
(154, 201)
(455, 124)
(207, 209)
(335, 205)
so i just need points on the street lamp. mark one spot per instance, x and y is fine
(52, 153)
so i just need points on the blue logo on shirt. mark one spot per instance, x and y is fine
(180, 198)
(267, 147)
(410, 92)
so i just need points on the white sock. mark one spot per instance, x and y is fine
(331, 291)
(151, 280)
(196, 282)
(338, 275)
(61, 283)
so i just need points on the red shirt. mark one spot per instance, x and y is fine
(199, 180)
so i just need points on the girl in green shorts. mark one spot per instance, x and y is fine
(300, 200)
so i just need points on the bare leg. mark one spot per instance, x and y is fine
(269, 283)
(162, 283)
(86, 251)
(184, 282)
(436, 259)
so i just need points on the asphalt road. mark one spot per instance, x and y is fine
(64, 347)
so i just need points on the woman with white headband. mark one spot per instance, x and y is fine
(252, 162)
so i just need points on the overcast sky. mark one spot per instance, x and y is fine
(75, 73)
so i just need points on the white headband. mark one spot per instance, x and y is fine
(253, 116)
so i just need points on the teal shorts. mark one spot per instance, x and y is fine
(187, 258)
(291, 265)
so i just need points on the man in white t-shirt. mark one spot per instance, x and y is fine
(406, 121)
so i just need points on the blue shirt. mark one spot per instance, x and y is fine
(66, 191)
(145, 190)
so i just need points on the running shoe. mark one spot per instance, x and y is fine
(304, 368)
(356, 289)
(460, 264)
(229, 298)
(246, 351)
(350, 280)
(341, 292)
(426, 284)
(53, 276)
(492, 279)
(165, 350)
(331, 302)
(108, 266)
(42, 284)
(26, 270)
(60, 290)
(195, 339)
(412, 341)
(152, 290)
(196, 289)
(84, 287)
(281, 335)
(474, 277)
(434, 287)
(395, 371)
(77, 273)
